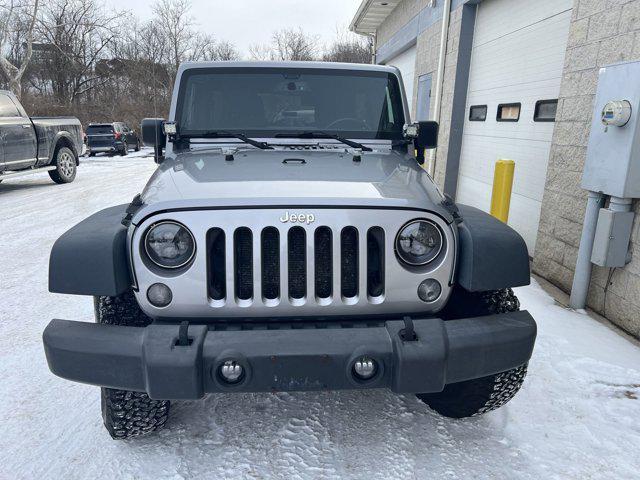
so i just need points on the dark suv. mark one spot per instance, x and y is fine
(111, 138)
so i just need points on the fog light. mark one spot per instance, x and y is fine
(365, 368)
(429, 290)
(159, 295)
(231, 371)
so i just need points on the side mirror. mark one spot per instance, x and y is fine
(426, 138)
(427, 134)
(153, 136)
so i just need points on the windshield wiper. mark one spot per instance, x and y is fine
(318, 134)
(239, 136)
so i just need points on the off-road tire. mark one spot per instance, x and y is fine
(128, 414)
(475, 397)
(121, 310)
(464, 304)
(481, 395)
(125, 150)
(66, 165)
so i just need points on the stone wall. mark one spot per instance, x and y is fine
(602, 32)
(400, 16)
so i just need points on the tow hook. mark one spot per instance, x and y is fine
(408, 334)
(183, 335)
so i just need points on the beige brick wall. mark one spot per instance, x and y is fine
(400, 16)
(602, 32)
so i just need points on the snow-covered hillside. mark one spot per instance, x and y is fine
(577, 416)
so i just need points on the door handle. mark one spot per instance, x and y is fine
(26, 125)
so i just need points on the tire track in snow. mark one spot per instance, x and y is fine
(303, 449)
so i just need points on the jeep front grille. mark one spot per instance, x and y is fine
(250, 263)
(329, 274)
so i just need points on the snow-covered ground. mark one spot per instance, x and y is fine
(577, 416)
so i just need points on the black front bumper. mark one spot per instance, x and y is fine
(288, 357)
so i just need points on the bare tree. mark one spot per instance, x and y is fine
(105, 65)
(139, 81)
(177, 25)
(260, 52)
(201, 47)
(74, 36)
(14, 71)
(349, 48)
(290, 44)
(224, 51)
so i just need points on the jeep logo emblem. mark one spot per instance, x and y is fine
(298, 218)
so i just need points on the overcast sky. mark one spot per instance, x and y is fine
(245, 22)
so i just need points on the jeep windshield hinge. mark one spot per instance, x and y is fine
(135, 205)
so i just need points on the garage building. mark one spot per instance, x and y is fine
(515, 79)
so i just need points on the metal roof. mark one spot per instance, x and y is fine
(371, 14)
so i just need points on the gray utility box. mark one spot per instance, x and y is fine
(611, 243)
(613, 155)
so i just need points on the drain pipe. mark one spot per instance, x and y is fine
(617, 204)
(582, 276)
(444, 39)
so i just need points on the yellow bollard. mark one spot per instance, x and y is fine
(502, 183)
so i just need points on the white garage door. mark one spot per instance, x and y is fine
(406, 63)
(517, 58)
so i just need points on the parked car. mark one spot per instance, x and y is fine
(111, 138)
(304, 251)
(37, 144)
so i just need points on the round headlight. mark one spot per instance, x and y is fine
(169, 244)
(419, 242)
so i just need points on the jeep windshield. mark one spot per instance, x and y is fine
(281, 102)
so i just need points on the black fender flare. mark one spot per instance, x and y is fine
(91, 257)
(66, 137)
(491, 255)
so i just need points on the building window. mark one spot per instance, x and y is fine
(545, 111)
(508, 112)
(478, 113)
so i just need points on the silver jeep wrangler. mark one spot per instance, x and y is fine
(290, 240)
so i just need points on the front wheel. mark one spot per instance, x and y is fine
(125, 413)
(66, 166)
(480, 395)
(130, 414)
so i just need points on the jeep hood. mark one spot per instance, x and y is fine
(323, 178)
